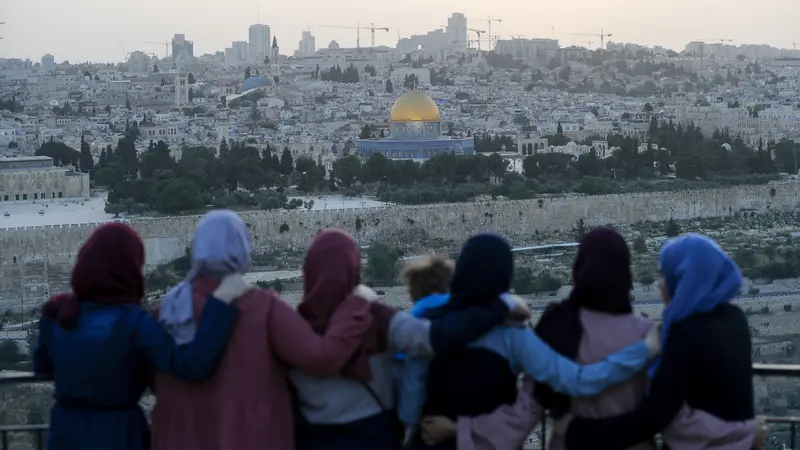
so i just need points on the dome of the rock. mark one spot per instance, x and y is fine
(414, 106)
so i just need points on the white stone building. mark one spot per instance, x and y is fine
(36, 178)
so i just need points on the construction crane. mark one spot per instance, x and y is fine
(469, 42)
(479, 33)
(372, 28)
(165, 44)
(602, 34)
(722, 41)
(357, 28)
(491, 36)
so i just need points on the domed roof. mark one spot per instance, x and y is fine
(414, 106)
(255, 82)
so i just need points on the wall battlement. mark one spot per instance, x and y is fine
(166, 238)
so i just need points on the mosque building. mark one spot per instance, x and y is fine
(415, 132)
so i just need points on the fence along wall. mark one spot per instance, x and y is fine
(167, 238)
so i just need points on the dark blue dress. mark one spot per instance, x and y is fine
(101, 368)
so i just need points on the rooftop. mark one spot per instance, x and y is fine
(25, 159)
(60, 212)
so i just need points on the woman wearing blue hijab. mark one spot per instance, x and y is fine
(706, 362)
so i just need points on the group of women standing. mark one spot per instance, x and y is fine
(234, 367)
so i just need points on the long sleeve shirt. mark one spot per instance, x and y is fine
(706, 364)
(101, 368)
(251, 385)
(508, 426)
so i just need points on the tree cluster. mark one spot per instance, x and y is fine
(683, 152)
(238, 174)
(336, 74)
(11, 104)
(235, 175)
(410, 81)
(502, 61)
(440, 78)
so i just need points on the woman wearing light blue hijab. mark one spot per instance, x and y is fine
(220, 247)
(706, 362)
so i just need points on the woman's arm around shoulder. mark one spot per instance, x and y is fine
(42, 363)
(196, 360)
(297, 345)
(538, 360)
(699, 429)
(451, 330)
(664, 400)
(506, 427)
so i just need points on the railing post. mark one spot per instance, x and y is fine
(40, 439)
(543, 440)
(5, 440)
(793, 437)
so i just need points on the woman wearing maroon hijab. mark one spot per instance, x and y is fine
(99, 346)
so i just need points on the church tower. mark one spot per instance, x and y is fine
(274, 52)
(181, 89)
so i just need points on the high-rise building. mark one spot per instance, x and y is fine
(240, 53)
(259, 42)
(181, 48)
(457, 30)
(48, 63)
(308, 44)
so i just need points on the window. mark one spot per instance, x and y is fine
(24, 196)
(16, 197)
(35, 196)
(5, 198)
(60, 194)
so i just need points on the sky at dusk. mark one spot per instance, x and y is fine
(106, 30)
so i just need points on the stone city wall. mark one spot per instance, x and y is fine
(167, 238)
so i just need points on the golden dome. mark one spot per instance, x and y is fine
(414, 106)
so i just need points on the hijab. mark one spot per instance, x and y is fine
(220, 247)
(108, 271)
(484, 270)
(331, 271)
(602, 281)
(699, 276)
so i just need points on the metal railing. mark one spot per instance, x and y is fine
(39, 431)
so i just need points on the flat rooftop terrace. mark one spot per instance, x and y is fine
(56, 212)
